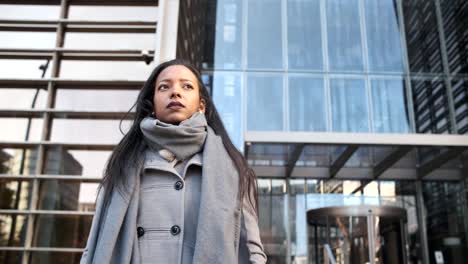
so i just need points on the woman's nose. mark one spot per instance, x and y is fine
(176, 92)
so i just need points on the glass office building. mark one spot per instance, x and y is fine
(353, 114)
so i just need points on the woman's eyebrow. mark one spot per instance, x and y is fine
(170, 80)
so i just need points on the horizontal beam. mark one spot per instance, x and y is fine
(77, 56)
(390, 160)
(86, 2)
(72, 84)
(45, 212)
(69, 146)
(363, 139)
(8, 113)
(50, 177)
(354, 173)
(43, 249)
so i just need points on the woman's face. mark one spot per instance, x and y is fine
(176, 95)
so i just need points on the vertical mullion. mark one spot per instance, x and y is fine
(45, 133)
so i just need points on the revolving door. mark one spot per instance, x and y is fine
(357, 235)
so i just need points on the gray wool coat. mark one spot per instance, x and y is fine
(116, 241)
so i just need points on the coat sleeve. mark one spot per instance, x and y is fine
(88, 252)
(250, 248)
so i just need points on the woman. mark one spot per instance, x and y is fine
(175, 189)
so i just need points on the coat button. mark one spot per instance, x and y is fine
(140, 231)
(175, 230)
(179, 185)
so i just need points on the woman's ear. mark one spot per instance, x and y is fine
(202, 106)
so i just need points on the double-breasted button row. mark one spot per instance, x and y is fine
(175, 230)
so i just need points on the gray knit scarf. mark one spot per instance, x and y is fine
(183, 140)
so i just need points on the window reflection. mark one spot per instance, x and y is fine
(95, 100)
(88, 130)
(264, 49)
(422, 36)
(109, 41)
(304, 35)
(23, 69)
(61, 231)
(12, 230)
(93, 12)
(227, 97)
(265, 103)
(68, 195)
(344, 35)
(228, 39)
(383, 36)
(18, 161)
(22, 98)
(14, 194)
(307, 104)
(42, 12)
(349, 105)
(60, 160)
(16, 129)
(27, 40)
(117, 70)
(389, 106)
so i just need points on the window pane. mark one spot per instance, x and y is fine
(22, 98)
(69, 195)
(264, 103)
(56, 257)
(14, 194)
(422, 36)
(454, 14)
(307, 110)
(139, 13)
(15, 129)
(10, 256)
(13, 229)
(304, 35)
(349, 105)
(264, 49)
(228, 42)
(227, 96)
(61, 231)
(109, 41)
(383, 36)
(27, 40)
(31, 12)
(431, 106)
(389, 106)
(23, 69)
(88, 131)
(344, 35)
(60, 160)
(18, 161)
(121, 70)
(95, 100)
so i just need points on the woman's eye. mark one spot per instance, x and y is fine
(188, 86)
(162, 87)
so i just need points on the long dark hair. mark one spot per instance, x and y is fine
(127, 155)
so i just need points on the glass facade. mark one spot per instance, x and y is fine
(343, 68)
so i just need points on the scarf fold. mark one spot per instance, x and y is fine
(183, 140)
(115, 239)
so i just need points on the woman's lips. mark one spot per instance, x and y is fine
(175, 105)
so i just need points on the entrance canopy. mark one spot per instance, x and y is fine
(357, 156)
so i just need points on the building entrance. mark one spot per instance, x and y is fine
(357, 234)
